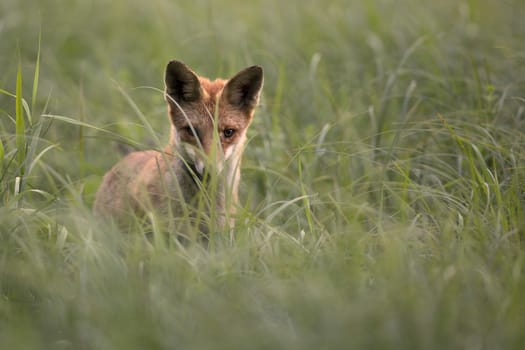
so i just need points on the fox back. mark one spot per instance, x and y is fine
(208, 121)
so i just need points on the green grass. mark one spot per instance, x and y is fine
(383, 187)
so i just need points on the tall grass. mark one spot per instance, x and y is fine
(382, 190)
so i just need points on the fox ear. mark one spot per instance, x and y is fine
(244, 88)
(182, 84)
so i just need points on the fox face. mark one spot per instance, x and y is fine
(209, 119)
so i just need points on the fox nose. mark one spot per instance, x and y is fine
(199, 167)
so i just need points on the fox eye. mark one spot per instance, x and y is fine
(228, 133)
(190, 132)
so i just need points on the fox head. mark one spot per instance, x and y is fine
(210, 118)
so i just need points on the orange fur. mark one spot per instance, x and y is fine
(200, 111)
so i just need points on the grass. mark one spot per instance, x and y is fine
(382, 191)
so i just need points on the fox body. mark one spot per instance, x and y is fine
(208, 121)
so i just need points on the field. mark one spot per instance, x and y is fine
(383, 188)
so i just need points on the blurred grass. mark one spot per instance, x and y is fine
(383, 183)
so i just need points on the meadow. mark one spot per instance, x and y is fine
(383, 186)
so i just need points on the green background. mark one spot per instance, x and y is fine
(382, 192)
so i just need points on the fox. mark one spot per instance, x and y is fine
(208, 123)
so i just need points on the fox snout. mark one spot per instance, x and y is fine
(201, 161)
(208, 158)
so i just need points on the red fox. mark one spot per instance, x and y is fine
(209, 120)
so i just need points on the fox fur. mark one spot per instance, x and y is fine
(208, 121)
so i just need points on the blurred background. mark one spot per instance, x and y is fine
(382, 184)
(327, 63)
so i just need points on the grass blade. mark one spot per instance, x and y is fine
(20, 122)
(2, 155)
(37, 74)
